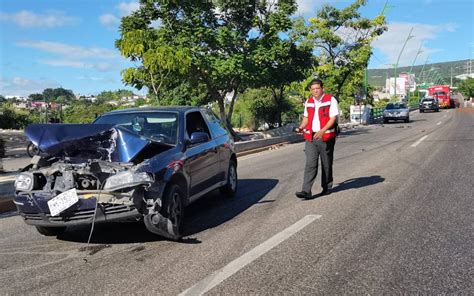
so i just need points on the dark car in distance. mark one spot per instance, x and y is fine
(144, 163)
(429, 103)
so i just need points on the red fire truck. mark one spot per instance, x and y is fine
(442, 93)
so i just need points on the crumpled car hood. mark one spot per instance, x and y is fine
(97, 141)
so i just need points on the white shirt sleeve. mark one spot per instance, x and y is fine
(334, 109)
(305, 113)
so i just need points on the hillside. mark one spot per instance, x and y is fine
(377, 76)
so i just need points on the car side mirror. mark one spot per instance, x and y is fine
(199, 137)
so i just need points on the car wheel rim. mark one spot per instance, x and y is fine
(232, 178)
(175, 211)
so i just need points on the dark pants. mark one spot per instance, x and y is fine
(314, 150)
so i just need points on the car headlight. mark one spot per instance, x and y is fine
(127, 179)
(24, 182)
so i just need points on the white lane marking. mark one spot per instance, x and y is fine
(220, 275)
(448, 111)
(419, 141)
(438, 123)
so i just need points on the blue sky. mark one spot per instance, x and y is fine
(70, 44)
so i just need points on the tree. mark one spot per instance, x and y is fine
(279, 62)
(342, 41)
(36, 97)
(53, 94)
(204, 42)
(466, 87)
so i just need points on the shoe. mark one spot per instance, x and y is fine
(303, 194)
(325, 191)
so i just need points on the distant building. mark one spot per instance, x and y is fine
(465, 76)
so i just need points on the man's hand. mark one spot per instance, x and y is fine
(298, 130)
(319, 135)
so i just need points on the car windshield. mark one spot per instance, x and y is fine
(158, 126)
(391, 106)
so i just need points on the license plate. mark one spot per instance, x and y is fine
(62, 201)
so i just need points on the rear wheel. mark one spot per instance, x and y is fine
(50, 231)
(421, 111)
(230, 188)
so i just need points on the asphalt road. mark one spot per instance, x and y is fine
(399, 221)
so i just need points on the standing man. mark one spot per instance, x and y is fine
(318, 128)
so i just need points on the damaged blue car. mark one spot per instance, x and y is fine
(146, 163)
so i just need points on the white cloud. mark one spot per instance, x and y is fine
(123, 9)
(391, 42)
(19, 86)
(109, 20)
(103, 67)
(127, 8)
(29, 19)
(306, 7)
(72, 51)
(99, 79)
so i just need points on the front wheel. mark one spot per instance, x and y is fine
(167, 222)
(230, 188)
(32, 149)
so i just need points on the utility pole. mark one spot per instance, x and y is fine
(411, 69)
(398, 59)
(451, 77)
(423, 68)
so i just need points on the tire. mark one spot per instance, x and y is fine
(421, 111)
(385, 121)
(50, 231)
(32, 150)
(407, 120)
(230, 188)
(168, 222)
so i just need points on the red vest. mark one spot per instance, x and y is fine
(323, 113)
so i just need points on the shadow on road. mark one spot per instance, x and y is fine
(210, 211)
(358, 183)
(215, 209)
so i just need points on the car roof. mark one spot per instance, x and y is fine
(178, 109)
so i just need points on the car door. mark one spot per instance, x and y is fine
(223, 141)
(202, 159)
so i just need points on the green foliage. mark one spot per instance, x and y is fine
(466, 87)
(59, 95)
(257, 106)
(36, 97)
(84, 112)
(13, 118)
(342, 40)
(107, 96)
(223, 45)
